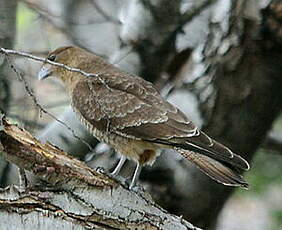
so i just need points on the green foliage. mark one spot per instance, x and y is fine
(277, 220)
(265, 170)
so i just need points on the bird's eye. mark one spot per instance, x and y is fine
(52, 57)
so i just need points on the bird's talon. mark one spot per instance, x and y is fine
(136, 188)
(100, 170)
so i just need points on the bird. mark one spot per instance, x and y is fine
(129, 114)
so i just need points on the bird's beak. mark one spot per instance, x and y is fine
(44, 72)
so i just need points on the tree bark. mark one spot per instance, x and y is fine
(233, 81)
(238, 91)
(76, 197)
(7, 36)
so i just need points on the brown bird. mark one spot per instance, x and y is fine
(128, 113)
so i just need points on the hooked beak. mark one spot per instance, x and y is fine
(44, 72)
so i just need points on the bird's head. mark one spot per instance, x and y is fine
(70, 56)
(61, 55)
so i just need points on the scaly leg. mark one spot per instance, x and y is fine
(136, 175)
(119, 166)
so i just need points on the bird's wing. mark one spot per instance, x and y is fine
(133, 108)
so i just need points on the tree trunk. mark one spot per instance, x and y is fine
(7, 35)
(232, 85)
(239, 94)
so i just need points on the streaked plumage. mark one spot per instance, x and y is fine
(128, 113)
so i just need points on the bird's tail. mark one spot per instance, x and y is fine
(217, 170)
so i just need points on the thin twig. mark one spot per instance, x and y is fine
(31, 94)
(194, 11)
(63, 103)
(103, 13)
(36, 58)
(45, 60)
(49, 17)
(123, 56)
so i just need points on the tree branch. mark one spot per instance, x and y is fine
(79, 193)
(101, 11)
(194, 11)
(36, 58)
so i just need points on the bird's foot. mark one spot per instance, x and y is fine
(112, 175)
(135, 188)
(101, 170)
(138, 189)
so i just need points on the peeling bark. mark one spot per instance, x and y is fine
(77, 196)
(235, 82)
(150, 28)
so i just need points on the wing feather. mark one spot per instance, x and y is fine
(132, 107)
(215, 169)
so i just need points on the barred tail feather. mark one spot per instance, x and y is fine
(214, 169)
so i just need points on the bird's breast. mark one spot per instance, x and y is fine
(102, 136)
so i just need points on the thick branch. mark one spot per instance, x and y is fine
(86, 196)
(150, 28)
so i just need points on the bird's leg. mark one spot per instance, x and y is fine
(119, 166)
(23, 182)
(136, 175)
